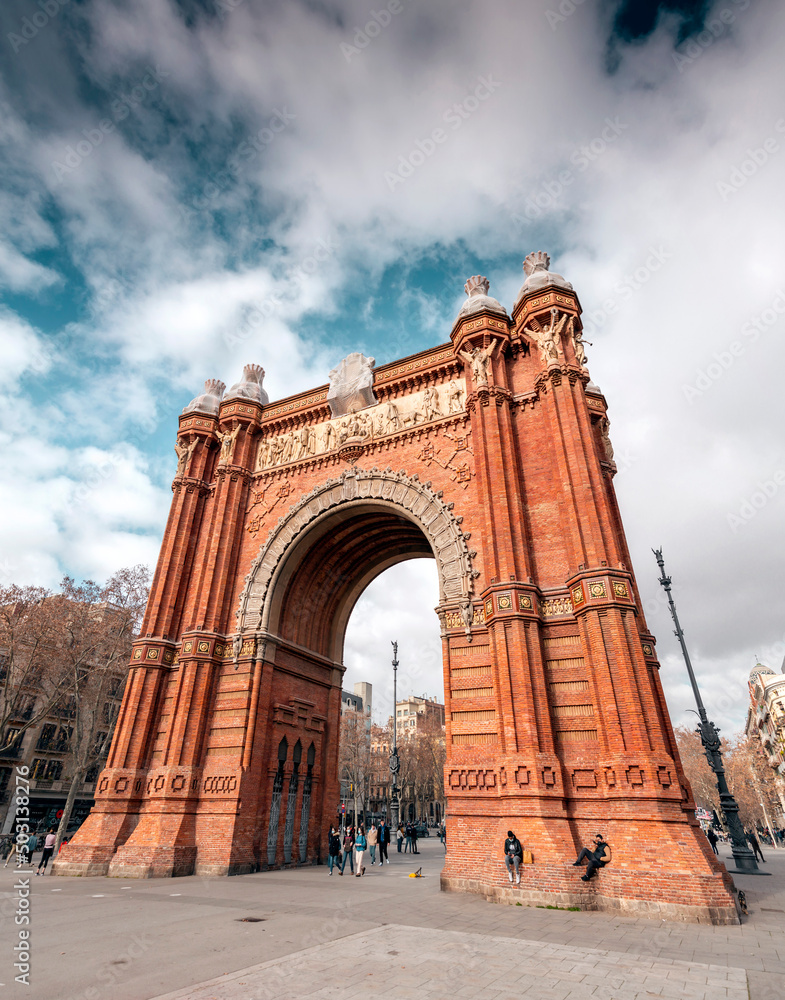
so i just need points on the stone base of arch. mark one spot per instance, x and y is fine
(661, 868)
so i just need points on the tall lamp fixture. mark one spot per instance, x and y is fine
(709, 734)
(395, 763)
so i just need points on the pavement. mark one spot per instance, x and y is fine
(302, 933)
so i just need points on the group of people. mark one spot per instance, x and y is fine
(596, 857)
(354, 845)
(750, 836)
(407, 838)
(25, 855)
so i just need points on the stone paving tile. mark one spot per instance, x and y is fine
(540, 973)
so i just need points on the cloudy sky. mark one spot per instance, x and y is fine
(187, 187)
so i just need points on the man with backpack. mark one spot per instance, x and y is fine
(513, 856)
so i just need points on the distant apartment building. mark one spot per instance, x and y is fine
(46, 749)
(415, 713)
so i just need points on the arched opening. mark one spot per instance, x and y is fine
(397, 605)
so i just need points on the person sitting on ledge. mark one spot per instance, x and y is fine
(597, 858)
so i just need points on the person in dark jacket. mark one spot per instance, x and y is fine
(752, 840)
(513, 856)
(414, 839)
(333, 849)
(712, 838)
(384, 840)
(348, 849)
(595, 856)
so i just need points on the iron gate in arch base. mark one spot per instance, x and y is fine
(489, 453)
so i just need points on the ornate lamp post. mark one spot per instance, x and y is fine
(395, 764)
(709, 734)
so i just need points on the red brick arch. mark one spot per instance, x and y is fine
(325, 552)
(490, 453)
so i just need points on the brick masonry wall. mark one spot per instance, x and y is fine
(555, 718)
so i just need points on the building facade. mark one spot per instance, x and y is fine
(417, 713)
(766, 722)
(491, 454)
(46, 749)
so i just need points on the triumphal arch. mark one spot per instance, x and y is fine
(489, 453)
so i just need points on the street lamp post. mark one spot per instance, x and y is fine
(709, 734)
(395, 764)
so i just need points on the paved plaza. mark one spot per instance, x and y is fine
(302, 933)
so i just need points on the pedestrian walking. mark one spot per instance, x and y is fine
(49, 846)
(7, 850)
(408, 833)
(384, 840)
(711, 836)
(597, 857)
(752, 840)
(373, 840)
(513, 856)
(360, 844)
(399, 835)
(30, 847)
(414, 839)
(333, 850)
(348, 849)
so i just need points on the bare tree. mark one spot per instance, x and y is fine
(751, 780)
(33, 680)
(354, 756)
(102, 622)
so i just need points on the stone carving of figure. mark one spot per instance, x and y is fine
(263, 454)
(184, 453)
(392, 417)
(227, 439)
(430, 403)
(455, 397)
(303, 441)
(287, 446)
(549, 337)
(605, 426)
(328, 441)
(577, 342)
(381, 423)
(343, 431)
(275, 452)
(479, 359)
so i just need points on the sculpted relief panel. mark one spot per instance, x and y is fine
(377, 421)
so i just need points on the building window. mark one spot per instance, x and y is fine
(63, 739)
(38, 768)
(5, 777)
(54, 770)
(47, 737)
(91, 775)
(13, 739)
